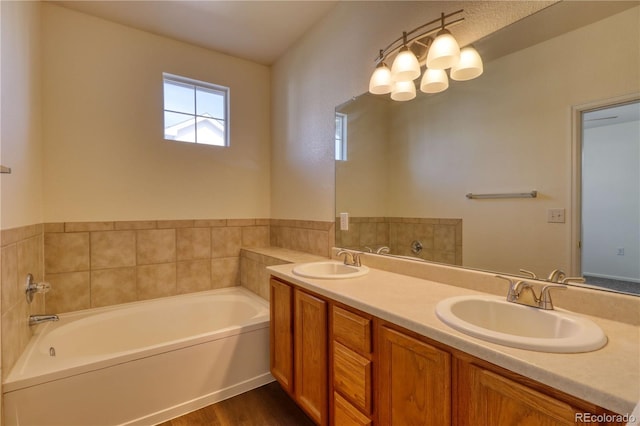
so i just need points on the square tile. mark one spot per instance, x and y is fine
(193, 275)
(225, 272)
(113, 286)
(70, 291)
(255, 236)
(193, 243)
(156, 281)
(113, 249)
(66, 252)
(156, 246)
(226, 242)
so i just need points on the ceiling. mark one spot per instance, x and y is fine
(260, 31)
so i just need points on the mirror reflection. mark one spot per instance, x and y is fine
(403, 169)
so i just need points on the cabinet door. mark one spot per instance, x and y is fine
(414, 381)
(310, 374)
(492, 399)
(281, 313)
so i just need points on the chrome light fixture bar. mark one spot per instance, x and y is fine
(418, 47)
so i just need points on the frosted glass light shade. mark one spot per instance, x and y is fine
(469, 66)
(403, 91)
(380, 82)
(444, 51)
(434, 81)
(405, 66)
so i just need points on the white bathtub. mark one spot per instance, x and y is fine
(141, 363)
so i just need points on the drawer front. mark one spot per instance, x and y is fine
(346, 414)
(352, 376)
(352, 330)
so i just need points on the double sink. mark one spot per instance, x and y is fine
(492, 318)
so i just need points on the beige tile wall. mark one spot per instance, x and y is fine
(22, 253)
(92, 264)
(441, 239)
(311, 237)
(253, 262)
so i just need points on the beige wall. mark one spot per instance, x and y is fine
(331, 64)
(364, 177)
(21, 114)
(103, 124)
(510, 131)
(527, 96)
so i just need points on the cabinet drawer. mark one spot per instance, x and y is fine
(346, 414)
(352, 376)
(352, 330)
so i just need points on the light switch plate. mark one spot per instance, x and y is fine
(555, 215)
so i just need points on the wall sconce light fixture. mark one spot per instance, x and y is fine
(418, 47)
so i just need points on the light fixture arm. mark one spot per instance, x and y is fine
(408, 36)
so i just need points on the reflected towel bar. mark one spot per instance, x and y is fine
(4, 169)
(532, 194)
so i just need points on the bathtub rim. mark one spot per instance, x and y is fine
(19, 380)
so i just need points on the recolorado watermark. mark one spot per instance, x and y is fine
(605, 418)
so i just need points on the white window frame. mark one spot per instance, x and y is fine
(204, 85)
(341, 140)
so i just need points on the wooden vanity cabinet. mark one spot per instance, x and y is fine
(346, 367)
(298, 347)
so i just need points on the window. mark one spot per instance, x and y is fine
(341, 137)
(195, 111)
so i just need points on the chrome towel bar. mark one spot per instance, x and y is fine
(532, 194)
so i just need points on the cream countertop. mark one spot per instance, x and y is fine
(609, 377)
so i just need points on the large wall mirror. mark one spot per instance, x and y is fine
(549, 80)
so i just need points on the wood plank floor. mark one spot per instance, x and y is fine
(267, 405)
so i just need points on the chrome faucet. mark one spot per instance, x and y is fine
(556, 276)
(37, 319)
(523, 293)
(383, 250)
(355, 257)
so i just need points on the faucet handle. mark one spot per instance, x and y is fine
(545, 295)
(512, 295)
(529, 274)
(556, 276)
(573, 280)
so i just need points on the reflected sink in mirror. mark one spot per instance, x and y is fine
(329, 270)
(493, 319)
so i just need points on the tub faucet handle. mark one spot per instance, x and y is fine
(33, 287)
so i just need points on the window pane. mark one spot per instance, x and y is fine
(210, 103)
(211, 132)
(179, 127)
(179, 97)
(338, 127)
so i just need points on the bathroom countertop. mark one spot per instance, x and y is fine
(609, 377)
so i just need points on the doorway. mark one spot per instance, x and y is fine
(609, 199)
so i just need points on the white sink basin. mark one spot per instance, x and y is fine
(331, 269)
(494, 319)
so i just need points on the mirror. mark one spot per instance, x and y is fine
(408, 166)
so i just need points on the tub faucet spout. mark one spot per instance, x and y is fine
(37, 319)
